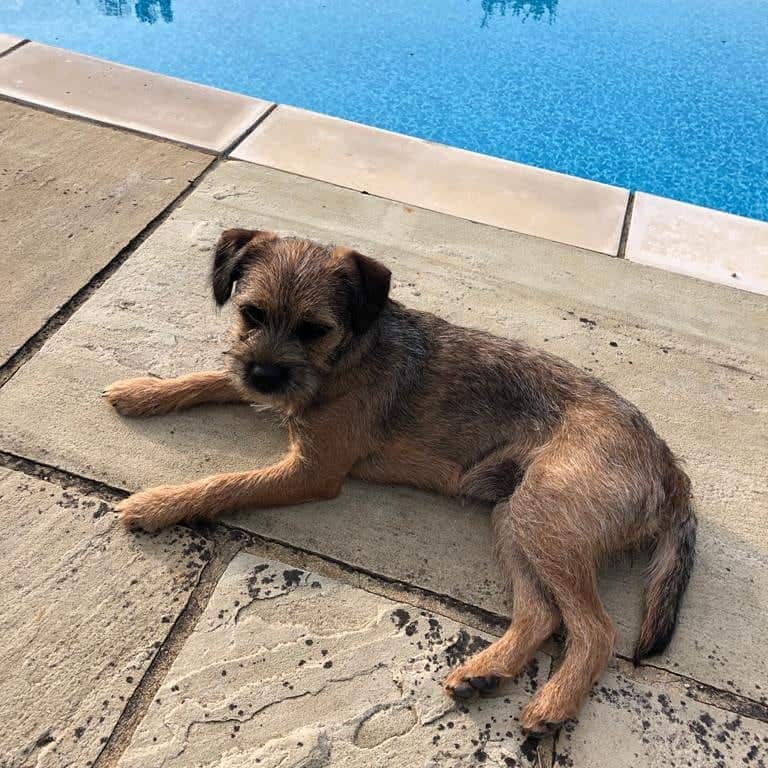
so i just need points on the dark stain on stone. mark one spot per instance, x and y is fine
(79, 731)
(464, 646)
(68, 501)
(613, 344)
(400, 617)
(292, 577)
(101, 510)
(529, 748)
(328, 664)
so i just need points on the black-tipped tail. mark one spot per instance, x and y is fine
(669, 571)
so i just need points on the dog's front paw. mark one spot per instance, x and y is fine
(143, 396)
(153, 509)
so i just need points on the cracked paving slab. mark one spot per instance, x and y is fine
(289, 668)
(67, 207)
(698, 374)
(84, 608)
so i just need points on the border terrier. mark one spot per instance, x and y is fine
(373, 389)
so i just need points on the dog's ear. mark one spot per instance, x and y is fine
(367, 285)
(229, 257)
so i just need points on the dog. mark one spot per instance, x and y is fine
(373, 389)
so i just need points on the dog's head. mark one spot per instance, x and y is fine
(300, 307)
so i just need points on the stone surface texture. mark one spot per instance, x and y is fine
(84, 607)
(650, 334)
(288, 668)
(67, 208)
(132, 98)
(478, 187)
(700, 242)
(633, 724)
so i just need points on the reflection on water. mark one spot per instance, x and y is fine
(525, 9)
(148, 11)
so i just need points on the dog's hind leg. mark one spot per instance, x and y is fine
(534, 618)
(556, 528)
(148, 396)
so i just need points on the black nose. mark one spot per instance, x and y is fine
(267, 377)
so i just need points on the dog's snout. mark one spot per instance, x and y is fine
(266, 377)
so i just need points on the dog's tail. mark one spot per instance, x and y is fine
(670, 566)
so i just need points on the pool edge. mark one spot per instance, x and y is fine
(660, 232)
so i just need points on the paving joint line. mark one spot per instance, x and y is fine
(226, 154)
(424, 599)
(14, 47)
(225, 549)
(103, 124)
(711, 695)
(62, 477)
(35, 342)
(418, 207)
(489, 621)
(624, 237)
(248, 131)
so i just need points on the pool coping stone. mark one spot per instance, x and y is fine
(679, 237)
(189, 113)
(485, 189)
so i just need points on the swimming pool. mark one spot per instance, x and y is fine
(667, 98)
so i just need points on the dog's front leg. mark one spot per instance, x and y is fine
(325, 445)
(149, 396)
(290, 481)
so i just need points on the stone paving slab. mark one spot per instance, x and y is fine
(441, 178)
(132, 98)
(289, 668)
(67, 207)
(627, 723)
(651, 334)
(84, 607)
(691, 240)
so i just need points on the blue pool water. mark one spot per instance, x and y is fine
(664, 96)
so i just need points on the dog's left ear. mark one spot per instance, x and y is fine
(368, 282)
(232, 252)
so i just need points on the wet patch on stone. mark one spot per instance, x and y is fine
(639, 724)
(322, 670)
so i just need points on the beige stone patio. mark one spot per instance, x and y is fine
(318, 635)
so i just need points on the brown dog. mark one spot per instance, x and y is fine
(376, 390)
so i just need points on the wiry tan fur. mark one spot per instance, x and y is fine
(393, 395)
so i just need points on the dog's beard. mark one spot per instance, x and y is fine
(302, 388)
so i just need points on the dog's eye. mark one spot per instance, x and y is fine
(307, 332)
(253, 316)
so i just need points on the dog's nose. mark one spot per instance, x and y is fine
(267, 377)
